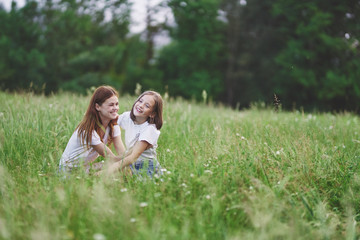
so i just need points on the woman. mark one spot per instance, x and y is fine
(97, 130)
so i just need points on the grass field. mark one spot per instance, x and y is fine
(253, 174)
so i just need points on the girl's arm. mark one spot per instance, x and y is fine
(119, 146)
(137, 150)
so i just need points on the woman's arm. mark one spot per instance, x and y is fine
(119, 146)
(104, 150)
(137, 150)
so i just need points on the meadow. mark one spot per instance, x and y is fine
(252, 174)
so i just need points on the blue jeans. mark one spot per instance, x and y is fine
(148, 166)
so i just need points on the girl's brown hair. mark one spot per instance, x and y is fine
(92, 120)
(157, 109)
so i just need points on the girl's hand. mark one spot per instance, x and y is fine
(114, 121)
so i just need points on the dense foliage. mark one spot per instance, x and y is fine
(239, 52)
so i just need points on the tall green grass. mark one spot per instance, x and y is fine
(253, 174)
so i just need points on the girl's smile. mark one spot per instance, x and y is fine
(143, 108)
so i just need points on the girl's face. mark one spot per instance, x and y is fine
(109, 109)
(143, 108)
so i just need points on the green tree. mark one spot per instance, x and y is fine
(194, 61)
(21, 60)
(251, 44)
(82, 47)
(320, 59)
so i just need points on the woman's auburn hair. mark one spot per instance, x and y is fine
(92, 120)
(157, 109)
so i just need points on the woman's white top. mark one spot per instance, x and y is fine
(76, 153)
(139, 132)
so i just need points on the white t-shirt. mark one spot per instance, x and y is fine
(139, 132)
(75, 151)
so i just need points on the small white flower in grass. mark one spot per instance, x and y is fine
(208, 171)
(78, 177)
(243, 138)
(163, 170)
(168, 150)
(168, 172)
(216, 158)
(206, 165)
(1, 114)
(41, 174)
(183, 185)
(156, 176)
(251, 188)
(237, 134)
(143, 204)
(123, 190)
(192, 175)
(208, 196)
(187, 193)
(277, 152)
(278, 182)
(343, 146)
(132, 220)
(99, 236)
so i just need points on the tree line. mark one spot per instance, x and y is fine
(239, 52)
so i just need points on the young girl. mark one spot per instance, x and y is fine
(142, 129)
(97, 130)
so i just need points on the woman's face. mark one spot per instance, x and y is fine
(109, 109)
(143, 108)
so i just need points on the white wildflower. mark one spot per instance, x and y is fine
(208, 196)
(123, 190)
(208, 171)
(192, 175)
(99, 236)
(143, 204)
(132, 220)
(168, 150)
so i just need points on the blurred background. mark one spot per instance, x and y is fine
(239, 51)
